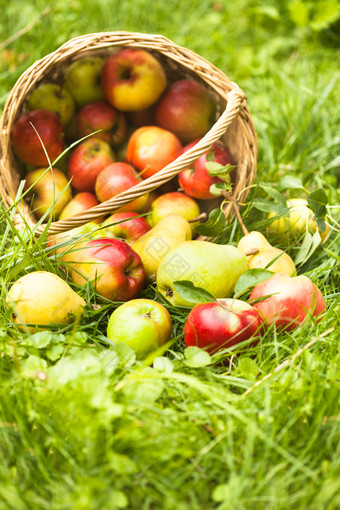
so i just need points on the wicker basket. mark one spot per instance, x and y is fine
(234, 124)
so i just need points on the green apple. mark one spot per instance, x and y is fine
(53, 97)
(82, 80)
(142, 324)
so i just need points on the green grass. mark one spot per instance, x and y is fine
(84, 425)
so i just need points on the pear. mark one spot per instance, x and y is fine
(170, 231)
(42, 298)
(213, 267)
(260, 254)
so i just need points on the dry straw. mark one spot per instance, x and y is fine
(233, 125)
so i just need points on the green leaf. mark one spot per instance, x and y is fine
(214, 225)
(308, 247)
(221, 493)
(290, 182)
(144, 386)
(119, 499)
(196, 357)
(249, 279)
(55, 352)
(317, 201)
(268, 206)
(299, 12)
(163, 364)
(276, 195)
(216, 169)
(248, 368)
(40, 340)
(325, 13)
(189, 292)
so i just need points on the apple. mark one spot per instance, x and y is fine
(196, 180)
(100, 115)
(66, 243)
(36, 132)
(301, 219)
(48, 188)
(142, 324)
(132, 79)
(87, 161)
(111, 265)
(127, 226)
(290, 301)
(115, 179)
(222, 324)
(141, 118)
(151, 148)
(186, 109)
(53, 97)
(82, 80)
(81, 202)
(175, 202)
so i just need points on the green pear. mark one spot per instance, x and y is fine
(42, 298)
(213, 267)
(262, 255)
(170, 231)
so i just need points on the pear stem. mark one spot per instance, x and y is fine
(202, 216)
(237, 211)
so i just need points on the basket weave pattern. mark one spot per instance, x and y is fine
(178, 62)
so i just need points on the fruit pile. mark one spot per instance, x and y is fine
(121, 121)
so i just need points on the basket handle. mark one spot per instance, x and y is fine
(235, 102)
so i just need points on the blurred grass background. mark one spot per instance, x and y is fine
(111, 433)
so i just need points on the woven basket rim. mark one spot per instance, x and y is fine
(226, 90)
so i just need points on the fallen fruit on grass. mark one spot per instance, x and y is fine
(142, 324)
(186, 109)
(222, 324)
(290, 301)
(301, 219)
(42, 298)
(48, 188)
(262, 255)
(113, 267)
(132, 79)
(213, 267)
(170, 231)
(36, 132)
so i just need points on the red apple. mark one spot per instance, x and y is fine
(37, 131)
(132, 79)
(290, 301)
(87, 161)
(49, 187)
(141, 118)
(100, 115)
(81, 202)
(186, 109)
(151, 148)
(196, 180)
(115, 179)
(127, 226)
(222, 324)
(112, 265)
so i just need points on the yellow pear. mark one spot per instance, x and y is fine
(300, 220)
(42, 298)
(260, 254)
(170, 231)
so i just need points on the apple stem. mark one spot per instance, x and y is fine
(237, 211)
(202, 216)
